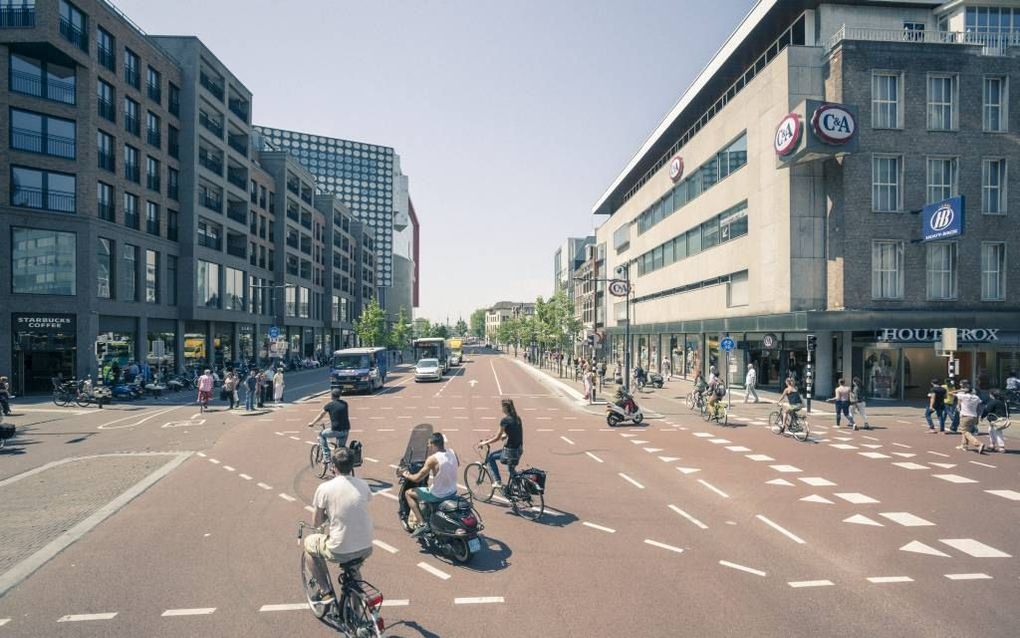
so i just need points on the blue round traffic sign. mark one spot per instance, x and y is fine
(274, 332)
(728, 344)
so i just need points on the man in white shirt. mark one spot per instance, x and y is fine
(969, 405)
(342, 503)
(442, 464)
(750, 381)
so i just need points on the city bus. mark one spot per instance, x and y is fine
(358, 369)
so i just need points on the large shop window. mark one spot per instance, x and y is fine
(207, 277)
(43, 262)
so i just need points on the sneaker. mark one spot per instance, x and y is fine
(962, 447)
(931, 431)
(496, 485)
(981, 448)
(1000, 450)
(853, 426)
(324, 598)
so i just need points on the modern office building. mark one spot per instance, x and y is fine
(589, 286)
(567, 258)
(806, 184)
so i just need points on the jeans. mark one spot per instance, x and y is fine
(249, 400)
(942, 418)
(5, 405)
(511, 456)
(325, 435)
(843, 409)
(954, 417)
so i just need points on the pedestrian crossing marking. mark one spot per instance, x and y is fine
(779, 481)
(816, 481)
(906, 519)
(1008, 494)
(815, 498)
(856, 498)
(954, 478)
(974, 548)
(918, 547)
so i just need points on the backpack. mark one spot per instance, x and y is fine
(720, 390)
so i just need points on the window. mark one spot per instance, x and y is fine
(621, 238)
(886, 269)
(152, 129)
(131, 210)
(131, 122)
(234, 290)
(174, 99)
(173, 142)
(73, 25)
(913, 31)
(941, 100)
(152, 218)
(171, 279)
(993, 271)
(942, 173)
(47, 80)
(171, 225)
(106, 101)
(104, 151)
(886, 111)
(994, 116)
(17, 13)
(131, 169)
(210, 235)
(733, 222)
(941, 270)
(45, 190)
(154, 85)
(207, 276)
(173, 184)
(105, 47)
(886, 177)
(152, 174)
(104, 201)
(38, 133)
(104, 269)
(737, 290)
(993, 186)
(130, 272)
(43, 262)
(132, 74)
(151, 276)
(710, 233)
(303, 295)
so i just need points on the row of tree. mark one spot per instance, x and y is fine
(554, 326)
(373, 329)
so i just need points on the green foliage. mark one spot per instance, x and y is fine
(400, 335)
(440, 330)
(478, 323)
(371, 325)
(460, 329)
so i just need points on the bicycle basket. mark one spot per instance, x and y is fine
(535, 480)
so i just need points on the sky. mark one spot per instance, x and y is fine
(511, 118)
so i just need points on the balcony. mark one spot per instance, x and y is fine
(174, 105)
(35, 142)
(132, 173)
(50, 89)
(306, 196)
(211, 125)
(991, 43)
(106, 161)
(238, 142)
(239, 108)
(44, 199)
(131, 219)
(236, 248)
(238, 177)
(153, 137)
(155, 93)
(105, 211)
(211, 202)
(237, 211)
(294, 186)
(106, 110)
(74, 35)
(132, 77)
(213, 86)
(17, 17)
(211, 163)
(132, 125)
(107, 58)
(153, 182)
(152, 227)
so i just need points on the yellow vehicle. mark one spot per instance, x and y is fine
(455, 348)
(194, 347)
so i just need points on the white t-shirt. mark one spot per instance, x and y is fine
(968, 403)
(444, 483)
(751, 377)
(345, 499)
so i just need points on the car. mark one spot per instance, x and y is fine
(454, 360)
(428, 370)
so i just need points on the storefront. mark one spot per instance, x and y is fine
(44, 346)
(116, 344)
(162, 341)
(196, 339)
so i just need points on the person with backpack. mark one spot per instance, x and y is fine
(936, 405)
(997, 414)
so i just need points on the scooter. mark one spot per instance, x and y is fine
(655, 380)
(453, 523)
(623, 409)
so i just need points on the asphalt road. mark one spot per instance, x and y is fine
(673, 528)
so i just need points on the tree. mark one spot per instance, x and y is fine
(441, 330)
(461, 329)
(371, 325)
(401, 332)
(478, 323)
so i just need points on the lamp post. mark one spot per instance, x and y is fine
(258, 331)
(624, 272)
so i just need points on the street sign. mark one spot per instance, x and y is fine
(619, 288)
(728, 344)
(274, 332)
(943, 219)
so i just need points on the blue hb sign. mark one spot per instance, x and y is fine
(943, 220)
(274, 332)
(727, 344)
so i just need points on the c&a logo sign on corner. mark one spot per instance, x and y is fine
(833, 124)
(787, 135)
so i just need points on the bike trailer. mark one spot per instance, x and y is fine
(535, 480)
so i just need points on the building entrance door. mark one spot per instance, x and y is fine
(44, 346)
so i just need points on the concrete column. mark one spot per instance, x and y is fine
(141, 339)
(823, 364)
(179, 346)
(85, 359)
(848, 353)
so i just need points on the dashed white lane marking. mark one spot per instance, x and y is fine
(652, 450)
(567, 440)
(918, 547)
(968, 576)
(810, 583)
(781, 530)
(1009, 494)
(785, 468)
(214, 461)
(601, 528)
(759, 457)
(687, 470)
(228, 468)
(631, 481)
(878, 580)
(311, 442)
(872, 438)
(816, 498)
(738, 448)
(287, 607)
(575, 429)
(478, 600)
(626, 436)
(720, 441)
(871, 446)
(904, 455)
(874, 455)
(779, 481)
(855, 497)
(906, 519)
(386, 546)
(843, 446)
(982, 464)
(84, 617)
(637, 442)
(594, 457)
(974, 548)
(713, 488)
(669, 459)
(843, 438)
(296, 438)
(671, 548)
(198, 611)
(902, 445)
(938, 454)
(907, 465)
(749, 570)
(245, 477)
(399, 602)
(816, 481)
(543, 418)
(4, 621)
(696, 522)
(264, 486)
(704, 435)
(544, 430)
(861, 519)
(370, 459)
(287, 497)
(438, 573)
(202, 454)
(944, 466)
(309, 508)
(954, 478)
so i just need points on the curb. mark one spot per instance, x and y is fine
(569, 392)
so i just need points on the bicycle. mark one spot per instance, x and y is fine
(696, 400)
(64, 393)
(356, 611)
(525, 497)
(797, 427)
(716, 412)
(322, 466)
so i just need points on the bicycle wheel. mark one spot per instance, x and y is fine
(479, 482)
(776, 422)
(315, 461)
(725, 417)
(61, 398)
(83, 400)
(690, 401)
(311, 587)
(359, 619)
(525, 504)
(802, 432)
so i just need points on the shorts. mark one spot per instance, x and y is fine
(316, 545)
(427, 496)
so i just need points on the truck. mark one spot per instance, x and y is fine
(358, 369)
(431, 348)
(455, 347)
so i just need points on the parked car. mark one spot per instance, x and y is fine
(428, 370)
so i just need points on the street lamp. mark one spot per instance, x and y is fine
(623, 273)
(258, 331)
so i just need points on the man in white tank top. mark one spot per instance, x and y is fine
(442, 464)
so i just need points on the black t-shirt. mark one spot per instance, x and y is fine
(338, 419)
(514, 432)
(940, 397)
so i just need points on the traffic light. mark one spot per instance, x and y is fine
(954, 367)
(812, 343)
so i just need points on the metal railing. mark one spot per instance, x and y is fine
(55, 90)
(106, 57)
(132, 172)
(106, 161)
(237, 211)
(174, 106)
(131, 219)
(154, 137)
(155, 93)
(106, 110)
(153, 182)
(17, 17)
(212, 203)
(74, 35)
(239, 108)
(216, 88)
(306, 196)
(36, 142)
(239, 143)
(992, 42)
(238, 177)
(105, 211)
(211, 163)
(45, 199)
(152, 226)
(133, 76)
(174, 149)
(211, 125)
(173, 191)
(132, 125)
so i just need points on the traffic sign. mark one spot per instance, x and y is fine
(769, 341)
(274, 332)
(619, 288)
(728, 344)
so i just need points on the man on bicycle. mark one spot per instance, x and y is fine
(789, 401)
(512, 431)
(442, 464)
(339, 421)
(716, 393)
(342, 502)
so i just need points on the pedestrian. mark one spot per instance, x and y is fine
(667, 368)
(205, 388)
(857, 402)
(969, 405)
(589, 390)
(996, 412)
(260, 388)
(841, 397)
(952, 414)
(5, 396)
(602, 374)
(278, 385)
(251, 387)
(750, 383)
(936, 405)
(230, 382)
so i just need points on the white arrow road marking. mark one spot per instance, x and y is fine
(815, 498)
(920, 548)
(974, 548)
(749, 570)
(671, 548)
(473, 382)
(696, 522)
(861, 519)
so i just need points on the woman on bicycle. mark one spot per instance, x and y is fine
(790, 401)
(512, 430)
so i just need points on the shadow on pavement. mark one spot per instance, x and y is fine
(494, 559)
(412, 627)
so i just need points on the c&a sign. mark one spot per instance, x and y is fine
(834, 124)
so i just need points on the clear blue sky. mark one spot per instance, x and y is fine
(511, 118)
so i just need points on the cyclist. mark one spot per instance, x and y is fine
(205, 388)
(512, 430)
(717, 392)
(640, 376)
(442, 464)
(339, 423)
(343, 503)
(790, 401)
